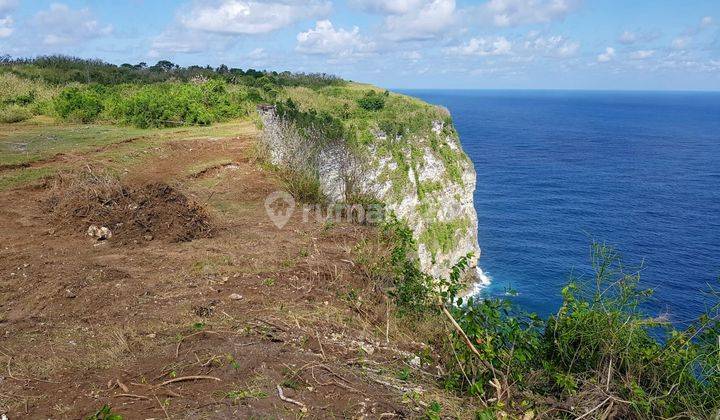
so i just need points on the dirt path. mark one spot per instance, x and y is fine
(86, 323)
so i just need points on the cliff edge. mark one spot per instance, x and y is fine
(363, 144)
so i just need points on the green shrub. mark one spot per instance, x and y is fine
(303, 186)
(82, 104)
(14, 113)
(600, 349)
(372, 101)
(173, 104)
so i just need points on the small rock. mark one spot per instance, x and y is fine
(148, 238)
(235, 296)
(100, 233)
(151, 335)
(415, 362)
(70, 294)
(367, 348)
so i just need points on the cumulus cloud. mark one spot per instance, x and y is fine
(504, 13)
(681, 42)
(250, 17)
(608, 55)
(556, 46)
(325, 39)
(706, 22)
(61, 25)
(427, 21)
(642, 54)
(483, 47)
(385, 7)
(6, 27)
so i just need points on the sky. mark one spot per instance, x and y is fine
(459, 44)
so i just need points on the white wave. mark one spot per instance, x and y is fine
(483, 281)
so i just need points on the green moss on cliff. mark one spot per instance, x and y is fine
(441, 236)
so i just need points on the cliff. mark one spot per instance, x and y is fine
(363, 144)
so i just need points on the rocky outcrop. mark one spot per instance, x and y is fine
(425, 179)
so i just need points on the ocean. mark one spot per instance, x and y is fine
(559, 169)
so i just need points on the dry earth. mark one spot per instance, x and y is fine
(208, 328)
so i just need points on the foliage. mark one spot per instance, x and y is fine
(80, 103)
(600, 351)
(373, 101)
(105, 413)
(303, 186)
(14, 113)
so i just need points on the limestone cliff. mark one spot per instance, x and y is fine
(423, 176)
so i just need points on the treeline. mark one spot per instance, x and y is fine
(60, 70)
(159, 95)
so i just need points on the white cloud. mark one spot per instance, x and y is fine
(642, 54)
(608, 55)
(388, 7)
(428, 21)
(707, 21)
(505, 13)
(628, 38)
(173, 41)
(257, 54)
(681, 42)
(413, 56)
(327, 40)
(483, 47)
(250, 17)
(61, 25)
(6, 27)
(552, 46)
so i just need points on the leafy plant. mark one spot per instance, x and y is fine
(105, 413)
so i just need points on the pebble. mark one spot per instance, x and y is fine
(235, 296)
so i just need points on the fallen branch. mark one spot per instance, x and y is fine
(472, 347)
(282, 396)
(188, 378)
(596, 407)
(139, 397)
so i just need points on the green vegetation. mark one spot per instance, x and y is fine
(600, 353)
(162, 95)
(105, 413)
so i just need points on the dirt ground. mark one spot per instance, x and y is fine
(248, 322)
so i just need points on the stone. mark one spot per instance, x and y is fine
(100, 233)
(235, 296)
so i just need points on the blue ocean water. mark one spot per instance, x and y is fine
(557, 169)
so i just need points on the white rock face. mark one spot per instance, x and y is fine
(433, 195)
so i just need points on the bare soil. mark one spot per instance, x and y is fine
(198, 306)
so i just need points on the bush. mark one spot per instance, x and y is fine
(373, 101)
(14, 113)
(599, 352)
(83, 104)
(303, 186)
(173, 104)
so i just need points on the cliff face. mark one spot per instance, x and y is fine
(425, 178)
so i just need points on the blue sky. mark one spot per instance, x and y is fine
(546, 44)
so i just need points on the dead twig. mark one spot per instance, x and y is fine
(188, 378)
(137, 397)
(167, 416)
(282, 396)
(593, 410)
